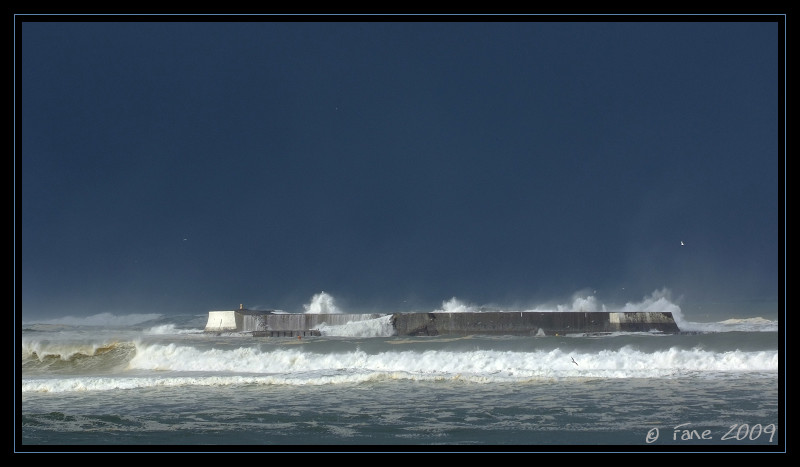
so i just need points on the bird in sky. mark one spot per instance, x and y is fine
(573, 360)
(681, 242)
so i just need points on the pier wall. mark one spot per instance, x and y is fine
(300, 321)
(531, 323)
(433, 324)
(223, 321)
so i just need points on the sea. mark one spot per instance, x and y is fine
(161, 383)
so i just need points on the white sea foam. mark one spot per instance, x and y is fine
(322, 303)
(168, 329)
(294, 367)
(378, 327)
(625, 362)
(454, 305)
(757, 324)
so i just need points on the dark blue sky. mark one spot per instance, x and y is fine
(179, 167)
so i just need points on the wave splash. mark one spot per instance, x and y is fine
(182, 365)
(322, 303)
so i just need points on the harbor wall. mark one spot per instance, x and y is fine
(433, 324)
(223, 321)
(531, 323)
(303, 321)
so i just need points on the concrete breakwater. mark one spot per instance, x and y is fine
(531, 323)
(269, 323)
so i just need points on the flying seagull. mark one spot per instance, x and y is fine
(681, 242)
(573, 360)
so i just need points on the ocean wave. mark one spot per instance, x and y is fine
(41, 350)
(625, 361)
(757, 324)
(432, 368)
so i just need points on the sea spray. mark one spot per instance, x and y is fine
(322, 303)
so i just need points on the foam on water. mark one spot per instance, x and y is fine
(378, 327)
(189, 366)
